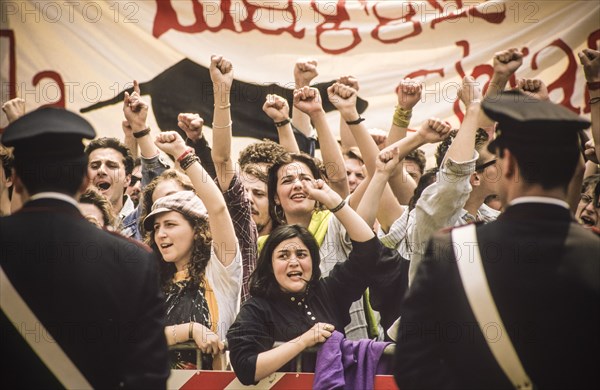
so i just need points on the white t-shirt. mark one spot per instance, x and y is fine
(227, 285)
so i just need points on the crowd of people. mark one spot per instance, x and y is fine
(282, 246)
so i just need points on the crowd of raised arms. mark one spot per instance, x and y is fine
(271, 253)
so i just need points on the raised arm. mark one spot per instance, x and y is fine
(14, 109)
(431, 131)
(590, 59)
(356, 227)
(191, 124)
(535, 88)
(440, 202)
(136, 114)
(278, 110)
(506, 63)
(385, 164)
(221, 74)
(221, 227)
(304, 72)
(308, 100)
(463, 146)
(343, 98)
(129, 140)
(346, 137)
(409, 94)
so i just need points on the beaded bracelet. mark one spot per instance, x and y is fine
(338, 207)
(142, 133)
(174, 335)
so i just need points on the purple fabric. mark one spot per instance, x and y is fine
(347, 364)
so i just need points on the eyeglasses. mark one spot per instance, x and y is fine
(485, 165)
(585, 198)
(134, 180)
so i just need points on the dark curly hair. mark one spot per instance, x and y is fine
(146, 198)
(112, 143)
(262, 281)
(202, 242)
(481, 140)
(418, 156)
(263, 152)
(278, 217)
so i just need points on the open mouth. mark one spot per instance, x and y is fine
(298, 196)
(164, 246)
(295, 275)
(587, 221)
(103, 185)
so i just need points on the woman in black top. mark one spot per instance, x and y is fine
(290, 302)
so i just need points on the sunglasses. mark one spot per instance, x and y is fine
(485, 165)
(134, 180)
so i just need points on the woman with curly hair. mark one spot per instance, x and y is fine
(97, 209)
(200, 266)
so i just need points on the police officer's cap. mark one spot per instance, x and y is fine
(528, 122)
(48, 134)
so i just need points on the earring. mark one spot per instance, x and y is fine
(279, 214)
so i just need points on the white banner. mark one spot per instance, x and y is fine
(77, 54)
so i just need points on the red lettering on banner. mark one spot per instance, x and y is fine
(490, 17)
(592, 43)
(255, 12)
(332, 22)
(566, 81)
(61, 86)
(166, 17)
(405, 18)
(243, 16)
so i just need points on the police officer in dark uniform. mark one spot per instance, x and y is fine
(542, 269)
(93, 293)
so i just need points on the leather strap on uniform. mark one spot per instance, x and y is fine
(477, 289)
(46, 349)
